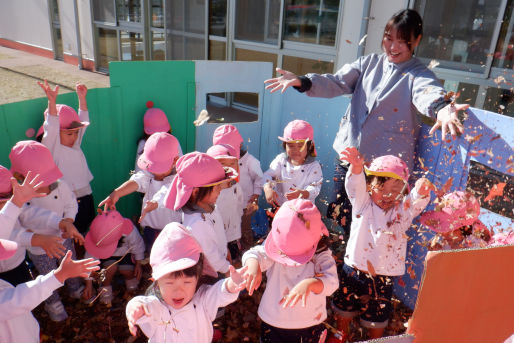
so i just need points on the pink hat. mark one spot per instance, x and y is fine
(195, 169)
(455, 210)
(105, 232)
(297, 130)
(68, 118)
(159, 153)
(227, 134)
(5, 183)
(388, 166)
(173, 250)
(295, 233)
(155, 120)
(7, 249)
(223, 151)
(33, 156)
(502, 238)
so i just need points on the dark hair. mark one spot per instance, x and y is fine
(408, 25)
(310, 148)
(145, 136)
(39, 138)
(202, 193)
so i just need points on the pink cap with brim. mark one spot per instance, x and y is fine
(5, 183)
(33, 156)
(295, 232)
(155, 120)
(223, 151)
(173, 250)
(455, 210)
(195, 169)
(227, 134)
(159, 153)
(68, 118)
(7, 249)
(105, 232)
(298, 131)
(388, 166)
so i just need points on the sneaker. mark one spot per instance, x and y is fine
(56, 311)
(106, 296)
(131, 285)
(77, 294)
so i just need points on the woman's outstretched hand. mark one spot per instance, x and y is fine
(286, 80)
(448, 120)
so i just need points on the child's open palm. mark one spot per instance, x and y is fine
(299, 292)
(79, 268)
(27, 190)
(81, 90)
(135, 310)
(51, 94)
(354, 157)
(252, 275)
(236, 282)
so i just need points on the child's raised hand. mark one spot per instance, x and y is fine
(354, 157)
(109, 203)
(80, 268)
(51, 94)
(424, 186)
(70, 231)
(27, 190)
(81, 90)
(252, 275)
(52, 245)
(236, 282)
(284, 81)
(135, 310)
(299, 292)
(150, 206)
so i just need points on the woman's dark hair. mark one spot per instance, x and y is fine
(202, 193)
(408, 25)
(310, 148)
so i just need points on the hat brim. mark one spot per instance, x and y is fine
(49, 177)
(103, 251)
(76, 125)
(175, 266)
(7, 249)
(273, 252)
(291, 140)
(384, 174)
(230, 175)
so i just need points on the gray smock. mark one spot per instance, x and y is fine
(381, 119)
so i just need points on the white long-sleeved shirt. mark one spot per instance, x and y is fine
(140, 149)
(61, 200)
(230, 206)
(207, 229)
(282, 278)
(132, 241)
(8, 216)
(160, 217)
(307, 176)
(191, 323)
(250, 176)
(376, 236)
(71, 161)
(17, 324)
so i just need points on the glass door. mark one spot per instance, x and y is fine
(55, 25)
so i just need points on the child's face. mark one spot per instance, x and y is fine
(297, 152)
(177, 291)
(387, 195)
(210, 198)
(68, 137)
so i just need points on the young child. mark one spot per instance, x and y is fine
(250, 177)
(195, 190)
(32, 156)
(64, 130)
(154, 120)
(157, 164)
(181, 308)
(301, 273)
(455, 220)
(295, 173)
(111, 238)
(230, 201)
(382, 212)
(17, 324)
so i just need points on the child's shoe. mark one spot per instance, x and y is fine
(77, 294)
(106, 296)
(131, 285)
(56, 311)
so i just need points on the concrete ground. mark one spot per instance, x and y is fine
(20, 71)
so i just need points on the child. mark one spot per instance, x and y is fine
(154, 120)
(250, 177)
(455, 220)
(157, 164)
(382, 212)
(295, 173)
(301, 273)
(195, 190)
(17, 324)
(110, 238)
(181, 308)
(64, 130)
(230, 201)
(34, 156)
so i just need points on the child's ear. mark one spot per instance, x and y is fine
(19, 177)
(194, 194)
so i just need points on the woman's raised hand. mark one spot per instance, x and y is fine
(286, 80)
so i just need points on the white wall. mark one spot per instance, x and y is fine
(86, 29)
(26, 21)
(68, 31)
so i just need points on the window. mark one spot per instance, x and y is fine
(223, 108)
(473, 42)
(258, 20)
(108, 47)
(128, 10)
(301, 66)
